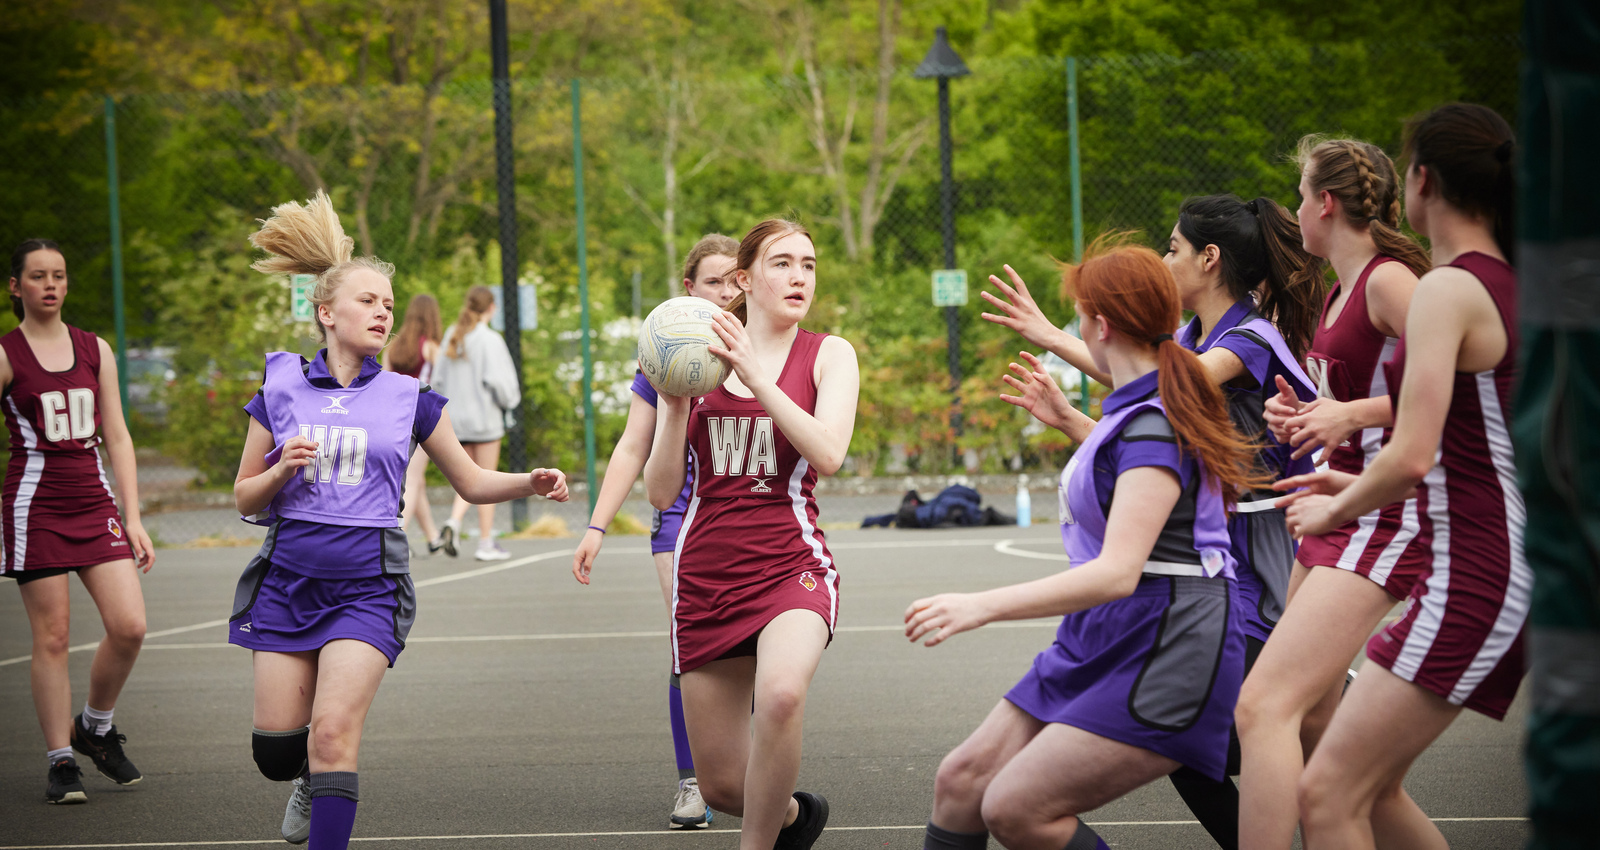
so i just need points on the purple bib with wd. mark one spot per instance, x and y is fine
(1083, 521)
(365, 442)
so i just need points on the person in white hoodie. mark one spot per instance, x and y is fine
(476, 374)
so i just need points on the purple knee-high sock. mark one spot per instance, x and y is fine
(333, 809)
(680, 733)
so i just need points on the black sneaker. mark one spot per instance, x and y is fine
(446, 539)
(65, 784)
(807, 825)
(106, 753)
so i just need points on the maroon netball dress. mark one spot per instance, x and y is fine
(56, 511)
(1346, 361)
(1461, 633)
(749, 548)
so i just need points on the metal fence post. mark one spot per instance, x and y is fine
(1077, 202)
(510, 308)
(583, 293)
(115, 201)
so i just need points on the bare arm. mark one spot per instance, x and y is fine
(664, 471)
(487, 486)
(119, 445)
(257, 483)
(1447, 312)
(1039, 395)
(1145, 497)
(823, 438)
(627, 461)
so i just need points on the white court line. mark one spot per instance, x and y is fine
(543, 556)
(512, 836)
(1005, 547)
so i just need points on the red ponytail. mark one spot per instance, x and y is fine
(1135, 292)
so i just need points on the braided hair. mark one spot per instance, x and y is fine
(1362, 178)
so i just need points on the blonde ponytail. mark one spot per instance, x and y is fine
(479, 303)
(309, 240)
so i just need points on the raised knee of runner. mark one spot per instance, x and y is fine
(1008, 820)
(281, 756)
(721, 793)
(334, 741)
(961, 779)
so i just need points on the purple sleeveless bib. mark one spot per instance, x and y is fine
(365, 440)
(1083, 522)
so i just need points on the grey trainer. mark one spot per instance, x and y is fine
(297, 816)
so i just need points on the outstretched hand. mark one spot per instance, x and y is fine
(1022, 313)
(1037, 392)
(549, 483)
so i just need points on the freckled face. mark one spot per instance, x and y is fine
(362, 312)
(43, 285)
(712, 281)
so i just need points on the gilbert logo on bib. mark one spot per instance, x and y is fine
(114, 527)
(336, 405)
(808, 581)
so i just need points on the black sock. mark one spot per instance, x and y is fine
(1215, 804)
(1085, 839)
(939, 838)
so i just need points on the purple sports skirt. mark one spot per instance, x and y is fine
(1264, 553)
(1159, 670)
(665, 525)
(278, 610)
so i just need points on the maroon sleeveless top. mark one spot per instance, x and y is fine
(1344, 363)
(55, 413)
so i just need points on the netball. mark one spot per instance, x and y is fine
(673, 348)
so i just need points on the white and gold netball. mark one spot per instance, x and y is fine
(674, 346)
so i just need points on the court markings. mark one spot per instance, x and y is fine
(546, 556)
(532, 835)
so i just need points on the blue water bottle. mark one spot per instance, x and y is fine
(1024, 503)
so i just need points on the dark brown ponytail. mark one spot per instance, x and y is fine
(1470, 152)
(19, 262)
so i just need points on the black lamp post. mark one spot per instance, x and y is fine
(941, 64)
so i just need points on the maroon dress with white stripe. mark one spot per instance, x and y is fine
(1346, 361)
(1461, 633)
(750, 548)
(56, 510)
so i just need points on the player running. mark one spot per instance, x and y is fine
(1147, 662)
(1459, 641)
(59, 389)
(327, 603)
(755, 596)
(705, 275)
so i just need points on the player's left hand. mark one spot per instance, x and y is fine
(1309, 514)
(937, 618)
(737, 349)
(1038, 393)
(549, 483)
(144, 552)
(1323, 482)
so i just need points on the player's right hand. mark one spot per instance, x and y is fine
(1280, 409)
(298, 452)
(1038, 393)
(583, 559)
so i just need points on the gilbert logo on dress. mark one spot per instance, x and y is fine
(114, 527)
(336, 405)
(808, 581)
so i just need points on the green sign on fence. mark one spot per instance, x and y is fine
(949, 287)
(300, 308)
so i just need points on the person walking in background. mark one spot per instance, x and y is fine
(476, 374)
(59, 386)
(706, 274)
(413, 353)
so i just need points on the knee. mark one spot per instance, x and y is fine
(127, 634)
(1258, 706)
(721, 793)
(1319, 794)
(52, 640)
(281, 756)
(1008, 822)
(334, 740)
(961, 780)
(781, 702)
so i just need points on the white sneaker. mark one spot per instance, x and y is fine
(689, 810)
(491, 551)
(297, 816)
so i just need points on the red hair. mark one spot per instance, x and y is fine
(1134, 291)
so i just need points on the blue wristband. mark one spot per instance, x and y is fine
(597, 528)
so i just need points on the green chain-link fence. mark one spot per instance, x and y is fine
(669, 157)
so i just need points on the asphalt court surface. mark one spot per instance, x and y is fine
(530, 712)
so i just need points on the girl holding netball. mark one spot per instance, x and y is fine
(755, 596)
(59, 389)
(705, 275)
(1255, 294)
(1459, 641)
(1147, 662)
(415, 350)
(327, 603)
(1346, 580)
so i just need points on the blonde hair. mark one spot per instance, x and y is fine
(1363, 179)
(479, 303)
(308, 240)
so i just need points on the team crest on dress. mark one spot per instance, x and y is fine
(808, 581)
(114, 527)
